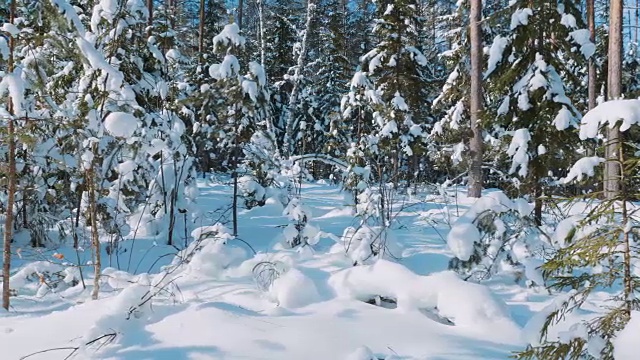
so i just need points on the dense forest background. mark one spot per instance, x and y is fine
(112, 110)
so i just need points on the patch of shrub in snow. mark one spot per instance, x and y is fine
(293, 289)
(462, 237)
(124, 316)
(42, 277)
(466, 304)
(531, 331)
(367, 243)
(299, 232)
(253, 193)
(214, 258)
(210, 255)
(117, 279)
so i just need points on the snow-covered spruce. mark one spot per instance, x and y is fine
(497, 235)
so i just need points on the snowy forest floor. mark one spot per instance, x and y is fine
(218, 312)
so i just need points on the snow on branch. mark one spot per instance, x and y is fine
(229, 35)
(584, 166)
(609, 113)
(322, 158)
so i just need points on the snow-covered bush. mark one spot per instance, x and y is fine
(497, 235)
(211, 252)
(366, 243)
(299, 232)
(251, 191)
(42, 277)
(293, 289)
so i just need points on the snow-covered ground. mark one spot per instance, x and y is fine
(214, 308)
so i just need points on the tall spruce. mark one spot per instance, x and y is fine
(530, 110)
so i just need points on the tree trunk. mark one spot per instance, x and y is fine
(171, 9)
(11, 191)
(235, 177)
(537, 204)
(150, 9)
(240, 10)
(263, 42)
(613, 169)
(475, 101)
(95, 238)
(591, 20)
(201, 32)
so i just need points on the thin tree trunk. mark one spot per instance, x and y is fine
(537, 205)
(150, 10)
(591, 20)
(475, 101)
(235, 177)
(172, 14)
(240, 13)
(614, 90)
(95, 238)
(76, 241)
(201, 31)
(11, 192)
(263, 42)
(592, 80)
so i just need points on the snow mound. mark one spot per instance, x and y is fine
(466, 304)
(626, 343)
(294, 289)
(121, 124)
(211, 254)
(362, 353)
(125, 314)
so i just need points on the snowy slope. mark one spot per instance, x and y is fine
(316, 310)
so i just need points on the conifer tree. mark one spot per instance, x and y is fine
(452, 130)
(331, 70)
(530, 110)
(594, 251)
(242, 107)
(392, 77)
(283, 20)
